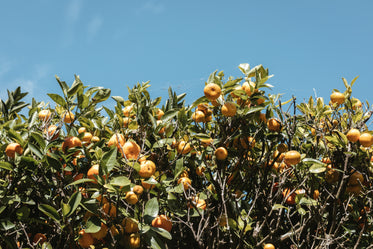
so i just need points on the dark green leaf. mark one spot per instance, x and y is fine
(164, 233)
(49, 211)
(58, 99)
(6, 165)
(152, 207)
(93, 225)
(74, 202)
(120, 181)
(109, 159)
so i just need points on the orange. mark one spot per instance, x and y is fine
(197, 202)
(71, 142)
(184, 147)
(331, 175)
(249, 87)
(279, 156)
(147, 185)
(357, 104)
(269, 246)
(223, 220)
(134, 240)
(354, 189)
(85, 239)
(127, 110)
(81, 130)
(110, 209)
(185, 181)
(206, 142)
(337, 97)
(93, 171)
(95, 139)
(102, 200)
(137, 189)
(262, 117)
(131, 150)
(292, 157)
(44, 115)
(282, 148)
(274, 125)
(147, 169)
(116, 230)
(101, 233)
(221, 153)
(130, 225)
(162, 221)
(366, 139)
(200, 170)
(162, 130)
(198, 116)
(12, 148)
(159, 114)
(117, 140)
(356, 178)
(126, 121)
(131, 197)
(229, 109)
(78, 177)
(212, 91)
(52, 132)
(353, 135)
(39, 238)
(316, 194)
(68, 117)
(87, 137)
(290, 199)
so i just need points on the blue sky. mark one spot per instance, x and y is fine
(306, 44)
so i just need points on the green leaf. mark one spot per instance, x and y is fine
(84, 180)
(244, 67)
(301, 211)
(39, 139)
(162, 142)
(74, 202)
(156, 243)
(62, 84)
(93, 225)
(6, 224)
(152, 207)
(353, 81)
(164, 233)
(313, 161)
(118, 99)
(58, 99)
(46, 245)
(201, 136)
(102, 95)
(179, 167)
(35, 150)
(49, 211)
(109, 159)
(307, 201)
(77, 85)
(120, 181)
(6, 165)
(169, 115)
(13, 134)
(254, 109)
(278, 206)
(317, 168)
(65, 209)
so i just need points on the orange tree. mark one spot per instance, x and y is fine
(237, 168)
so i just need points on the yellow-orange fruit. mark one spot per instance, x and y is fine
(101, 233)
(147, 169)
(68, 117)
(198, 116)
(117, 140)
(39, 238)
(12, 148)
(52, 132)
(95, 139)
(131, 150)
(269, 246)
(274, 125)
(81, 130)
(185, 181)
(356, 179)
(353, 135)
(130, 225)
(212, 91)
(87, 137)
(337, 97)
(137, 189)
(93, 172)
(292, 157)
(127, 110)
(159, 114)
(85, 239)
(221, 153)
(162, 221)
(366, 139)
(229, 109)
(290, 199)
(131, 197)
(44, 115)
(71, 142)
(184, 147)
(134, 240)
(249, 88)
(110, 209)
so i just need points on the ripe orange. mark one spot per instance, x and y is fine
(316, 194)
(134, 240)
(87, 137)
(198, 116)
(249, 88)
(85, 239)
(366, 139)
(274, 125)
(116, 230)
(147, 169)
(39, 238)
(130, 225)
(356, 178)
(337, 97)
(200, 170)
(81, 130)
(229, 109)
(68, 117)
(131, 197)
(131, 150)
(44, 115)
(71, 142)
(279, 156)
(354, 189)
(95, 139)
(52, 133)
(110, 209)
(357, 104)
(269, 246)
(184, 147)
(147, 185)
(292, 157)
(159, 114)
(101, 233)
(12, 148)
(127, 110)
(163, 129)
(221, 153)
(353, 135)
(282, 148)
(262, 117)
(117, 140)
(212, 91)
(93, 172)
(185, 181)
(137, 189)
(290, 199)
(162, 221)
(197, 202)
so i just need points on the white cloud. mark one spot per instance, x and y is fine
(94, 26)
(152, 6)
(73, 10)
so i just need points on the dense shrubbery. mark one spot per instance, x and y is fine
(237, 168)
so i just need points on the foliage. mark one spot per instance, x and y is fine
(252, 197)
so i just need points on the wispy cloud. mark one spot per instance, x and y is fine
(73, 10)
(94, 27)
(152, 6)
